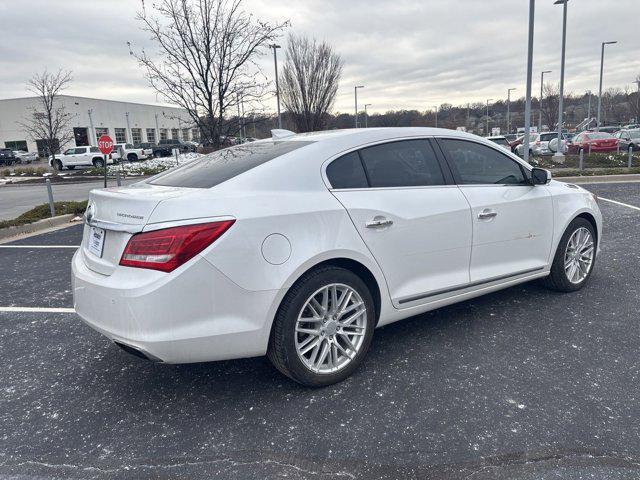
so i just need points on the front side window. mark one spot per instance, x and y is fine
(217, 167)
(347, 172)
(479, 164)
(407, 163)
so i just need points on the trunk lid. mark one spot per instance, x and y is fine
(114, 215)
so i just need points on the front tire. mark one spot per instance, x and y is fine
(323, 328)
(59, 165)
(575, 257)
(98, 163)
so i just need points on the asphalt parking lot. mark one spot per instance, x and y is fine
(524, 383)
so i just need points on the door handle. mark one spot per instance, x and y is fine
(379, 222)
(486, 214)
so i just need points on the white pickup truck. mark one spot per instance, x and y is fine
(126, 151)
(79, 156)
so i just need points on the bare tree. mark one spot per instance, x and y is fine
(48, 119)
(310, 79)
(206, 56)
(550, 100)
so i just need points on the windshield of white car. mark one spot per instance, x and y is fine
(220, 166)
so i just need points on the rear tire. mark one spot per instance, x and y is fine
(132, 157)
(330, 347)
(568, 275)
(98, 162)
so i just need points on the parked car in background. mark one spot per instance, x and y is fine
(539, 144)
(7, 157)
(500, 140)
(594, 142)
(631, 126)
(26, 157)
(165, 147)
(79, 156)
(126, 151)
(299, 246)
(629, 139)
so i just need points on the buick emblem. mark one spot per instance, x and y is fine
(89, 213)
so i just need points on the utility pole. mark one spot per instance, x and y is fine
(488, 100)
(355, 91)
(527, 108)
(509, 109)
(275, 62)
(600, 89)
(559, 155)
(129, 139)
(540, 102)
(366, 115)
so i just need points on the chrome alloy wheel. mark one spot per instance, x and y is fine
(578, 257)
(330, 328)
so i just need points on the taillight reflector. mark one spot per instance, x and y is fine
(168, 248)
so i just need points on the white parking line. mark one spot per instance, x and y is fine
(40, 246)
(37, 310)
(619, 203)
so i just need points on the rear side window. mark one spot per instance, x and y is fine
(220, 166)
(407, 163)
(347, 172)
(95, 150)
(479, 164)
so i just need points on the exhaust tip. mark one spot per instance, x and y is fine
(136, 352)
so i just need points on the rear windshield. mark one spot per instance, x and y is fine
(220, 166)
(547, 137)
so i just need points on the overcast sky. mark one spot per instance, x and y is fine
(408, 53)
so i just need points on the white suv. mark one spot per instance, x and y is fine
(126, 151)
(79, 156)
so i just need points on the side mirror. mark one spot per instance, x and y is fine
(540, 176)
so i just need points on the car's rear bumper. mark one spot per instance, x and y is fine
(193, 314)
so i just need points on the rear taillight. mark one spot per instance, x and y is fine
(167, 249)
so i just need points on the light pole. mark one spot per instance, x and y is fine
(126, 114)
(527, 106)
(637, 119)
(559, 155)
(540, 103)
(275, 63)
(366, 115)
(589, 108)
(509, 109)
(355, 91)
(488, 100)
(600, 89)
(93, 137)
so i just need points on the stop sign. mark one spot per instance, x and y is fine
(105, 144)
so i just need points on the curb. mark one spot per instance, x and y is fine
(36, 226)
(621, 178)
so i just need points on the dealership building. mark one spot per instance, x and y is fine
(125, 122)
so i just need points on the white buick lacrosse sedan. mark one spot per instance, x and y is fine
(299, 246)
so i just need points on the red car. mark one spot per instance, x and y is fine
(599, 142)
